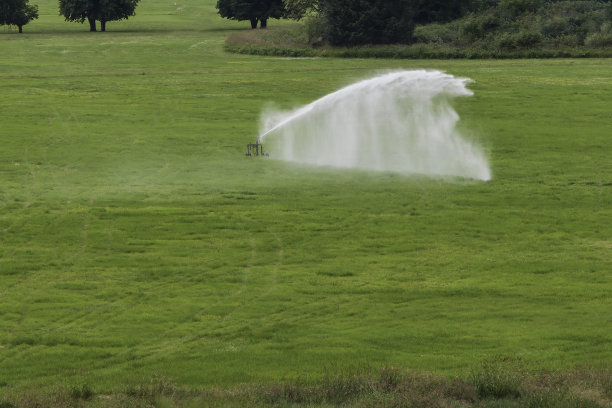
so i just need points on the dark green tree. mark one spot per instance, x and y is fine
(297, 9)
(17, 12)
(439, 11)
(97, 10)
(79, 11)
(252, 10)
(115, 10)
(355, 22)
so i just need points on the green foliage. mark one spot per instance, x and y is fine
(439, 11)
(526, 24)
(252, 10)
(523, 39)
(83, 392)
(499, 26)
(17, 12)
(314, 26)
(298, 9)
(478, 26)
(115, 10)
(500, 378)
(603, 38)
(556, 27)
(354, 22)
(511, 9)
(436, 34)
(100, 10)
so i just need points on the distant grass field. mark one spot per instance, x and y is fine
(137, 241)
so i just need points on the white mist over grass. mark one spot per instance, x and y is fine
(399, 122)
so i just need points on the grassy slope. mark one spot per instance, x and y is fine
(137, 240)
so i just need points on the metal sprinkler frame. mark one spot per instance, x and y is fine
(255, 149)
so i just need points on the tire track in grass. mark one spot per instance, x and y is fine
(247, 270)
(274, 278)
(28, 190)
(154, 347)
(84, 238)
(277, 265)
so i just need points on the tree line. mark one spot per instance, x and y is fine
(20, 12)
(349, 22)
(511, 23)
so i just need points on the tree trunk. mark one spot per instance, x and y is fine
(253, 23)
(264, 22)
(92, 24)
(20, 29)
(102, 26)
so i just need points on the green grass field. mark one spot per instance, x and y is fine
(137, 241)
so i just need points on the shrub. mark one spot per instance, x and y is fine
(83, 392)
(603, 38)
(506, 41)
(315, 27)
(340, 387)
(499, 378)
(436, 34)
(362, 22)
(514, 8)
(556, 27)
(528, 39)
(571, 40)
(525, 36)
(477, 26)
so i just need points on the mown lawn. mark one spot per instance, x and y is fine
(137, 240)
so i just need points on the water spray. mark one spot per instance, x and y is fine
(400, 122)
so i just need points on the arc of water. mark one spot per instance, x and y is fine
(298, 113)
(308, 108)
(400, 122)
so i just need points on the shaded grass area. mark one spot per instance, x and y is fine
(497, 383)
(292, 41)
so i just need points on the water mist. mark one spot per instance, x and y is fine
(399, 122)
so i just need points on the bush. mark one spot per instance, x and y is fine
(499, 378)
(528, 39)
(351, 22)
(436, 34)
(506, 41)
(477, 27)
(603, 38)
(514, 8)
(556, 27)
(315, 27)
(83, 392)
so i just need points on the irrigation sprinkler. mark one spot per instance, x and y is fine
(255, 149)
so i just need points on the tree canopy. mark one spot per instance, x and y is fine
(17, 12)
(297, 9)
(97, 10)
(253, 10)
(353, 22)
